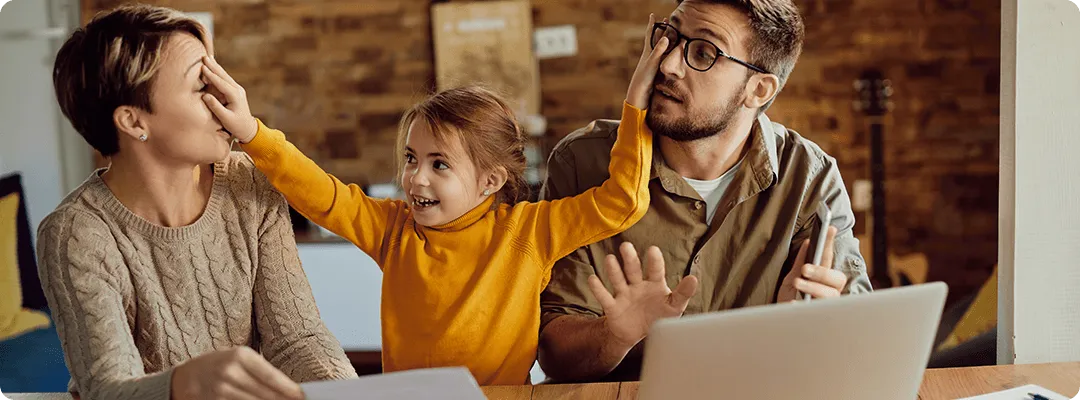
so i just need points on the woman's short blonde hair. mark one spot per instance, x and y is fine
(111, 62)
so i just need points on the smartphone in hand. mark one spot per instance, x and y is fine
(818, 232)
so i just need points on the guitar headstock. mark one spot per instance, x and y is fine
(874, 92)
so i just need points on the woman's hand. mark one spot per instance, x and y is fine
(238, 373)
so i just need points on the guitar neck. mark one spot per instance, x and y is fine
(873, 102)
(877, 178)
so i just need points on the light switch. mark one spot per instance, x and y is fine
(862, 193)
(555, 41)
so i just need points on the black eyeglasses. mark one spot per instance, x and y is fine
(699, 54)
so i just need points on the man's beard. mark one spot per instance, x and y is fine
(691, 127)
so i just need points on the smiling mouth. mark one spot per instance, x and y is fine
(422, 203)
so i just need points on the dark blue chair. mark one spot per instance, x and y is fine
(34, 361)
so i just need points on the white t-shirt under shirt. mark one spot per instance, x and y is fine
(712, 190)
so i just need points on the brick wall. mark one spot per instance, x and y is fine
(941, 139)
(336, 74)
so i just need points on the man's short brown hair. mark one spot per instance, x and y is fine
(777, 34)
(111, 63)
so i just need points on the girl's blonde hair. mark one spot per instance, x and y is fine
(486, 127)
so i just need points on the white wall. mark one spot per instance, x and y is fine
(32, 139)
(1039, 224)
(347, 285)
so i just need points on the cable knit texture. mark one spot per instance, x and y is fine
(132, 299)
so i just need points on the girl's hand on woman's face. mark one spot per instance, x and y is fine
(234, 113)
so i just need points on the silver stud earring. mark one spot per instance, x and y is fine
(487, 192)
(142, 138)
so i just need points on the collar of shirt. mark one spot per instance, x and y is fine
(757, 172)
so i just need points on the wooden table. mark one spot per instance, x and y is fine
(945, 383)
(950, 383)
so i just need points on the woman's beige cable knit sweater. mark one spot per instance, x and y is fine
(131, 299)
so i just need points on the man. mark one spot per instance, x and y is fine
(732, 197)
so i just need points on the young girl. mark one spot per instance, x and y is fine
(463, 260)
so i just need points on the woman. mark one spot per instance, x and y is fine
(167, 268)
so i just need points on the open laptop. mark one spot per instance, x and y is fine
(866, 346)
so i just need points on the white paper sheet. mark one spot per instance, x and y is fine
(1021, 393)
(435, 383)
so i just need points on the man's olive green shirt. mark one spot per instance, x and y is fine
(740, 257)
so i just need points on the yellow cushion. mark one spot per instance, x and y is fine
(979, 318)
(14, 320)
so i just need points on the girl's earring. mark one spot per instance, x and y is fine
(487, 192)
(142, 138)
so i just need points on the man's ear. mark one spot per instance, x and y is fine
(760, 89)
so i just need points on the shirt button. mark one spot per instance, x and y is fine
(697, 205)
(697, 260)
(856, 265)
